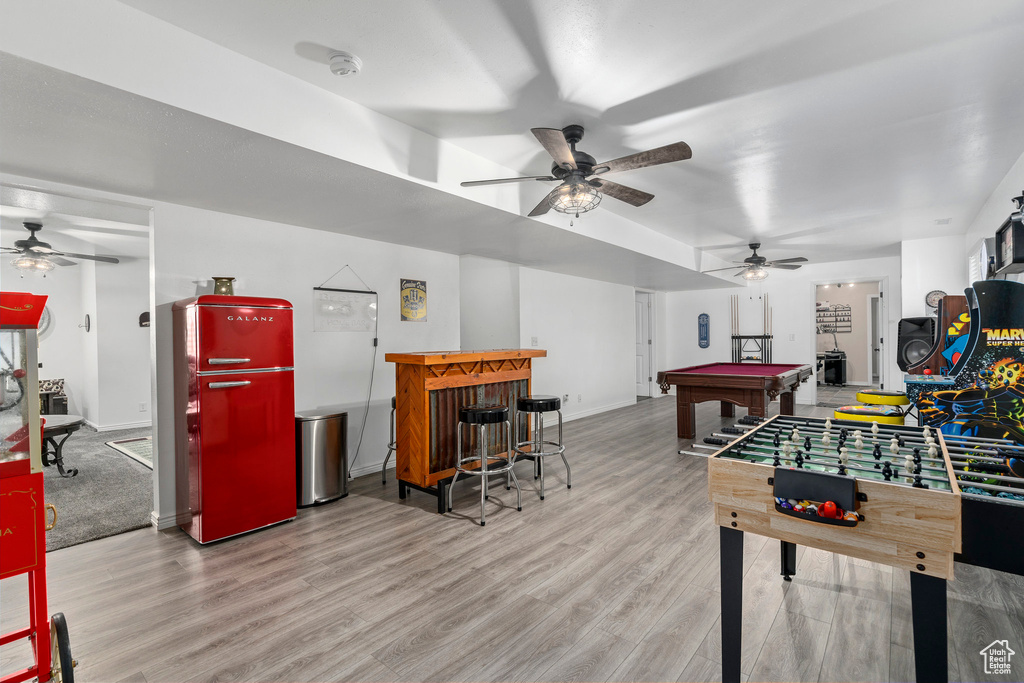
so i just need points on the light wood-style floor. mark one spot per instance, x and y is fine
(615, 579)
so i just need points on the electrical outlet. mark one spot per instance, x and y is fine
(579, 398)
(143, 407)
(565, 398)
(533, 341)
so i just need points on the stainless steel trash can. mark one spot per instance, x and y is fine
(321, 457)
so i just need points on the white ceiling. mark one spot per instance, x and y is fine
(830, 130)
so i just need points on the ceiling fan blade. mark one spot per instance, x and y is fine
(623, 193)
(10, 250)
(544, 206)
(795, 259)
(554, 142)
(783, 266)
(60, 261)
(715, 270)
(104, 259)
(498, 181)
(678, 151)
(40, 249)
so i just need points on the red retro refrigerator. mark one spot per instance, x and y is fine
(235, 410)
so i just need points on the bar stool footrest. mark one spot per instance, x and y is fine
(520, 453)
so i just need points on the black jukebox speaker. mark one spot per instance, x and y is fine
(914, 339)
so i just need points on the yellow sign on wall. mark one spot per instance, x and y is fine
(414, 300)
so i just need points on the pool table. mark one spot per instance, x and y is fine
(734, 384)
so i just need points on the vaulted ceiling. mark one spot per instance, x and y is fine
(829, 130)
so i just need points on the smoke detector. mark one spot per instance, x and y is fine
(345, 63)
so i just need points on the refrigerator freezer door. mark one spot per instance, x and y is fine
(237, 338)
(246, 457)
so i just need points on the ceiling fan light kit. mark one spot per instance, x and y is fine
(579, 192)
(754, 267)
(36, 256)
(575, 197)
(32, 264)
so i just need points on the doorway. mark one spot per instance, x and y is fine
(848, 335)
(876, 340)
(644, 344)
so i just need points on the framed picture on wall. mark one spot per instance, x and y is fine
(414, 300)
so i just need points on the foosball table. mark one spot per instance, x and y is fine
(886, 494)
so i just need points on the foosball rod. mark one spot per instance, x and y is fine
(895, 475)
(992, 487)
(829, 457)
(987, 475)
(864, 454)
(951, 448)
(911, 436)
(854, 453)
(989, 499)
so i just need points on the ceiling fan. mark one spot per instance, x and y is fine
(579, 190)
(36, 255)
(755, 266)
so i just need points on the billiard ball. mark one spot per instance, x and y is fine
(827, 509)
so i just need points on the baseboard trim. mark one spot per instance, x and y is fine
(596, 411)
(114, 428)
(169, 521)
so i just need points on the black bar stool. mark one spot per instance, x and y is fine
(481, 465)
(392, 445)
(536, 406)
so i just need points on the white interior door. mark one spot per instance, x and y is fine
(643, 343)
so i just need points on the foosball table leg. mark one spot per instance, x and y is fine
(788, 560)
(731, 554)
(928, 607)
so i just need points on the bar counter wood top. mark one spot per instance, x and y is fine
(434, 357)
(430, 388)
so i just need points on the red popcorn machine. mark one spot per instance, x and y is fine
(23, 510)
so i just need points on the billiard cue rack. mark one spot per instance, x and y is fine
(751, 348)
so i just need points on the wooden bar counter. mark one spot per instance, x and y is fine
(430, 388)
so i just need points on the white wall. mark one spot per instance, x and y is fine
(122, 347)
(489, 303)
(791, 295)
(587, 328)
(90, 391)
(929, 264)
(332, 369)
(855, 342)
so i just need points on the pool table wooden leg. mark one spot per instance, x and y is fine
(728, 409)
(685, 418)
(786, 403)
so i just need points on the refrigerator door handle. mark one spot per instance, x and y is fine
(225, 385)
(226, 361)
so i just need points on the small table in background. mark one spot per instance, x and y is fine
(54, 427)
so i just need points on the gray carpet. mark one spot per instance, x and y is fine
(111, 494)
